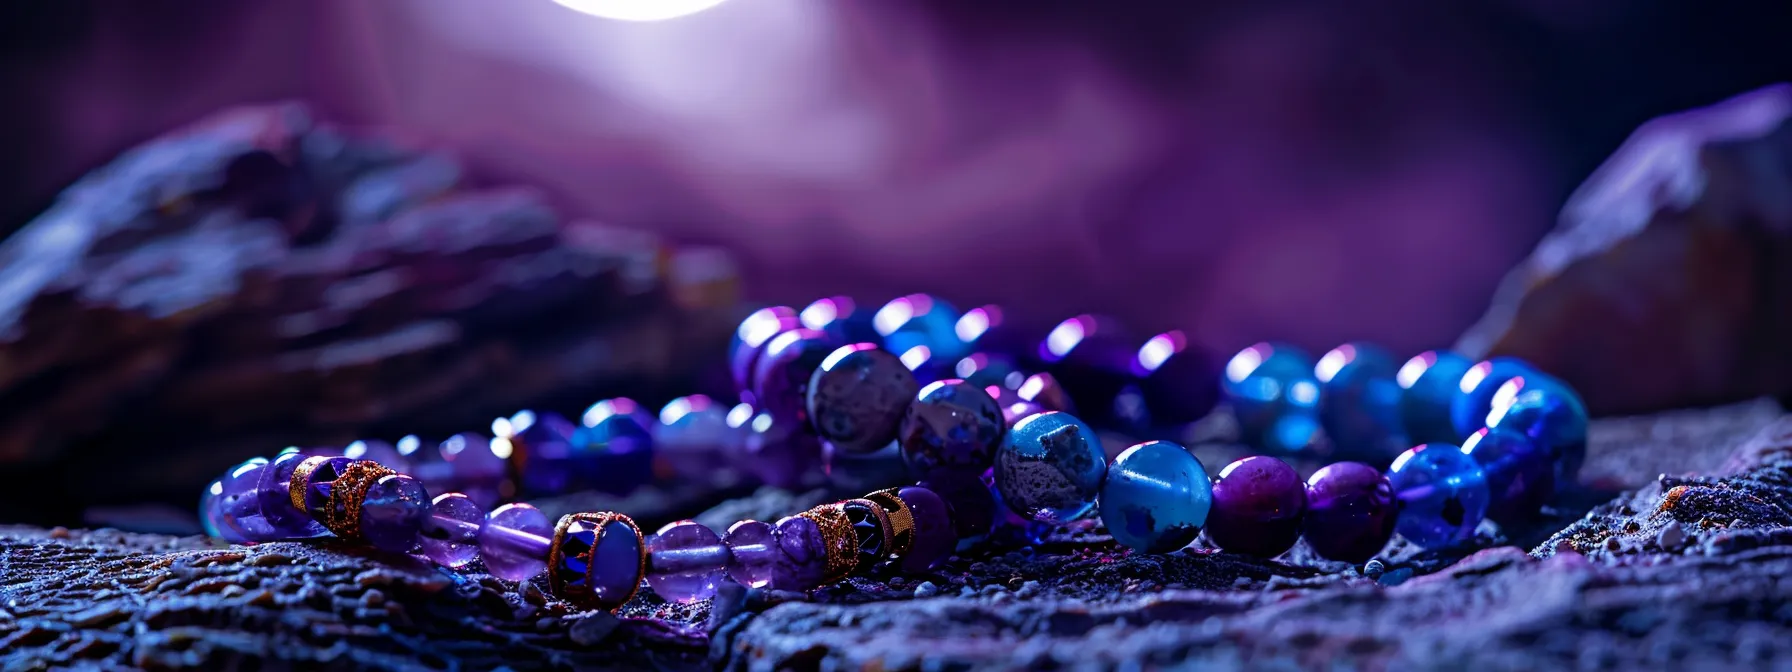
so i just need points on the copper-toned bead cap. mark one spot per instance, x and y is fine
(838, 540)
(597, 560)
(347, 493)
(902, 521)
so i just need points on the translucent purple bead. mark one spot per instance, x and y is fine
(393, 512)
(1257, 507)
(275, 494)
(1350, 512)
(802, 555)
(450, 535)
(685, 561)
(753, 553)
(232, 507)
(781, 376)
(1441, 492)
(514, 541)
(857, 397)
(951, 427)
(750, 339)
(1521, 477)
(935, 536)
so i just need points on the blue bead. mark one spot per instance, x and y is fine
(613, 449)
(951, 426)
(1468, 410)
(1554, 416)
(1050, 467)
(920, 320)
(1442, 494)
(840, 318)
(1429, 385)
(1520, 475)
(1156, 497)
(1274, 395)
(750, 339)
(1360, 401)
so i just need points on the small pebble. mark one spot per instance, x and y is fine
(991, 589)
(1671, 536)
(1028, 589)
(58, 532)
(593, 629)
(926, 589)
(967, 591)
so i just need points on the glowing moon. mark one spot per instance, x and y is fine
(640, 10)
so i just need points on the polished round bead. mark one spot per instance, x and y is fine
(1179, 383)
(274, 493)
(749, 342)
(474, 467)
(1050, 468)
(840, 318)
(781, 377)
(685, 562)
(984, 369)
(692, 434)
(1553, 416)
(450, 535)
(1350, 512)
(598, 561)
(802, 555)
(541, 450)
(1469, 410)
(393, 511)
(211, 517)
(374, 450)
(753, 553)
(779, 451)
(1441, 492)
(951, 427)
(515, 540)
(921, 320)
(858, 396)
(935, 536)
(320, 484)
(1156, 497)
(1257, 507)
(1520, 476)
(237, 505)
(612, 448)
(1429, 384)
(1274, 396)
(1359, 401)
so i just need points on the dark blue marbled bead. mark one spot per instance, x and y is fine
(1520, 475)
(1429, 385)
(1274, 395)
(1156, 497)
(1552, 415)
(612, 448)
(1441, 492)
(750, 340)
(542, 446)
(921, 320)
(951, 426)
(1469, 410)
(1050, 467)
(858, 396)
(1359, 401)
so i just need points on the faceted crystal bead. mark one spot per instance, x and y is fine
(750, 339)
(393, 512)
(450, 535)
(1257, 507)
(1050, 468)
(378, 451)
(840, 318)
(514, 541)
(542, 444)
(921, 320)
(858, 396)
(1274, 395)
(935, 536)
(1553, 416)
(1429, 384)
(1359, 401)
(802, 555)
(319, 485)
(685, 562)
(753, 553)
(781, 376)
(1520, 476)
(952, 426)
(613, 448)
(1350, 512)
(1156, 497)
(1441, 492)
(1469, 410)
(274, 492)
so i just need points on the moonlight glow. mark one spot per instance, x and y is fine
(640, 10)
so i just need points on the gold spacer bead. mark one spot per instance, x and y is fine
(585, 596)
(295, 487)
(348, 492)
(838, 540)
(902, 521)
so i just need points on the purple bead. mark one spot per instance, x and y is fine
(781, 376)
(1521, 477)
(393, 512)
(750, 340)
(951, 427)
(378, 451)
(211, 519)
(753, 553)
(233, 507)
(1045, 390)
(318, 485)
(968, 501)
(1257, 507)
(935, 536)
(542, 444)
(613, 448)
(450, 535)
(275, 494)
(611, 555)
(685, 562)
(691, 435)
(515, 540)
(779, 452)
(802, 555)
(475, 468)
(1350, 512)
(857, 397)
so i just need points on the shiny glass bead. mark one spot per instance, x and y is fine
(858, 396)
(450, 535)
(1179, 383)
(1552, 415)
(921, 320)
(1050, 468)
(1359, 401)
(541, 446)
(685, 562)
(612, 448)
(211, 520)
(1156, 497)
(935, 536)
(393, 511)
(1274, 395)
(604, 557)
(514, 541)
(1520, 475)
(1350, 512)
(1442, 494)
(950, 427)
(779, 451)
(471, 464)
(692, 434)
(749, 341)
(236, 506)
(1469, 410)
(781, 377)
(274, 493)
(1258, 505)
(753, 553)
(802, 555)
(840, 318)
(1429, 384)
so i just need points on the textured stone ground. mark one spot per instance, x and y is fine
(1688, 570)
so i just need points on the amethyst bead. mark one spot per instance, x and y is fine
(952, 427)
(1257, 507)
(393, 512)
(515, 541)
(1521, 477)
(750, 340)
(450, 535)
(685, 562)
(858, 396)
(1350, 512)
(235, 508)
(802, 555)
(753, 553)
(935, 536)
(275, 495)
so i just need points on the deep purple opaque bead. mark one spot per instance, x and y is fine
(781, 376)
(935, 536)
(1258, 503)
(952, 427)
(685, 562)
(857, 397)
(1350, 512)
(1521, 477)
(450, 535)
(753, 553)
(275, 494)
(318, 486)
(378, 451)
(802, 555)
(514, 541)
(393, 511)
(749, 342)
(541, 443)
